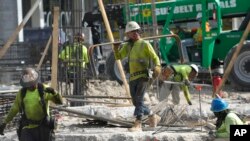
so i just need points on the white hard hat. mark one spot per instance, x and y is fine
(131, 26)
(80, 36)
(29, 77)
(83, 35)
(195, 67)
(199, 16)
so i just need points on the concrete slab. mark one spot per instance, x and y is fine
(121, 134)
(73, 128)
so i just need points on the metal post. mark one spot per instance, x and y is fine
(155, 33)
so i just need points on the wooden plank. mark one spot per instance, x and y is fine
(44, 53)
(55, 48)
(12, 38)
(111, 38)
(234, 57)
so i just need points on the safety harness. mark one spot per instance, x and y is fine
(25, 120)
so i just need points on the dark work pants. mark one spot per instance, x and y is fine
(40, 133)
(137, 91)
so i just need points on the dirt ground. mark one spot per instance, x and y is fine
(187, 122)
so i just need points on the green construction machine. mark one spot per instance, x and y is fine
(218, 44)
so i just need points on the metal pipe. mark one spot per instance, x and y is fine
(83, 97)
(125, 123)
(88, 101)
(192, 84)
(91, 48)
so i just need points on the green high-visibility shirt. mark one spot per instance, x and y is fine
(76, 55)
(181, 74)
(224, 130)
(139, 56)
(33, 107)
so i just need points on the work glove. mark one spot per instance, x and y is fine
(2, 127)
(50, 90)
(190, 103)
(156, 72)
(116, 47)
(187, 82)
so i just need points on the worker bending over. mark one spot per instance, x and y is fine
(178, 73)
(139, 53)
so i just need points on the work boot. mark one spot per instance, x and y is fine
(136, 126)
(153, 120)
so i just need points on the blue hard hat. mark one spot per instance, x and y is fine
(218, 105)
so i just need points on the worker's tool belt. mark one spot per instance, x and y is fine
(47, 121)
(26, 122)
(167, 72)
(139, 73)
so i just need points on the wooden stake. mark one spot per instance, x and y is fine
(44, 53)
(234, 57)
(55, 49)
(12, 38)
(111, 38)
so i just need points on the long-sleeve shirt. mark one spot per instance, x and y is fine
(181, 73)
(32, 105)
(224, 130)
(139, 56)
(74, 55)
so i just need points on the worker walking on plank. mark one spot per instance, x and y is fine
(32, 101)
(178, 73)
(140, 53)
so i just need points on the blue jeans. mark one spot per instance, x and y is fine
(137, 91)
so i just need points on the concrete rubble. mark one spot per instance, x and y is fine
(188, 126)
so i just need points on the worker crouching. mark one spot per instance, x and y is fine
(225, 118)
(139, 53)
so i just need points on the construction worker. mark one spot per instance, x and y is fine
(178, 73)
(32, 101)
(225, 118)
(198, 35)
(76, 55)
(75, 59)
(139, 53)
